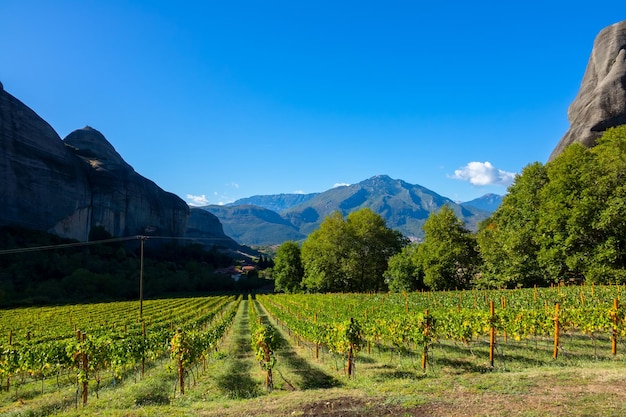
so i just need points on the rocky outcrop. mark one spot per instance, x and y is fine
(42, 185)
(122, 201)
(206, 229)
(68, 187)
(601, 100)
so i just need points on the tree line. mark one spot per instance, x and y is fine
(110, 271)
(562, 221)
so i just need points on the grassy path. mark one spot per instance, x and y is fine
(236, 378)
(296, 371)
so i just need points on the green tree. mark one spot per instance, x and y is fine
(608, 264)
(508, 240)
(566, 213)
(404, 272)
(288, 271)
(323, 253)
(448, 255)
(351, 254)
(584, 218)
(371, 244)
(563, 221)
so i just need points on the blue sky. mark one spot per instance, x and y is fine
(220, 100)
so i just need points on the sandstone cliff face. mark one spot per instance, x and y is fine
(207, 228)
(601, 100)
(41, 185)
(122, 201)
(68, 187)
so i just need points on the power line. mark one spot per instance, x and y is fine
(97, 242)
(65, 245)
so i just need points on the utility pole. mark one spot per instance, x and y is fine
(143, 241)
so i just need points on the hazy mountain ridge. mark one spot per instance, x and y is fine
(489, 202)
(254, 225)
(405, 207)
(274, 202)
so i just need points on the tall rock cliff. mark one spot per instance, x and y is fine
(68, 187)
(122, 201)
(41, 184)
(601, 100)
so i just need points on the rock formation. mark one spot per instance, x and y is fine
(69, 187)
(207, 229)
(601, 100)
(122, 201)
(41, 185)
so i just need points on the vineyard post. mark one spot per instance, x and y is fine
(180, 364)
(614, 333)
(368, 340)
(317, 345)
(425, 351)
(143, 348)
(85, 366)
(10, 344)
(492, 333)
(350, 353)
(504, 335)
(143, 241)
(269, 381)
(556, 331)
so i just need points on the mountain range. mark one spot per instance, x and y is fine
(273, 219)
(68, 186)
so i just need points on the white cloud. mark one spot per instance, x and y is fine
(197, 200)
(483, 173)
(340, 184)
(299, 192)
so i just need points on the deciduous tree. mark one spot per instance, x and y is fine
(350, 254)
(448, 255)
(508, 240)
(404, 272)
(288, 271)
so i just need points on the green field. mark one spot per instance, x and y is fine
(131, 370)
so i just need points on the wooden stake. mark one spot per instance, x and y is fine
(85, 366)
(492, 334)
(614, 333)
(143, 354)
(556, 331)
(425, 352)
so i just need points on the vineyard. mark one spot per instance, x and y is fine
(573, 321)
(65, 358)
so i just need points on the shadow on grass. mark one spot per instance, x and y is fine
(310, 376)
(236, 381)
(462, 365)
(384, 376)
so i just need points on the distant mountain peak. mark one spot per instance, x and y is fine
(488, 202)
(405, 207)
(274, 202)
